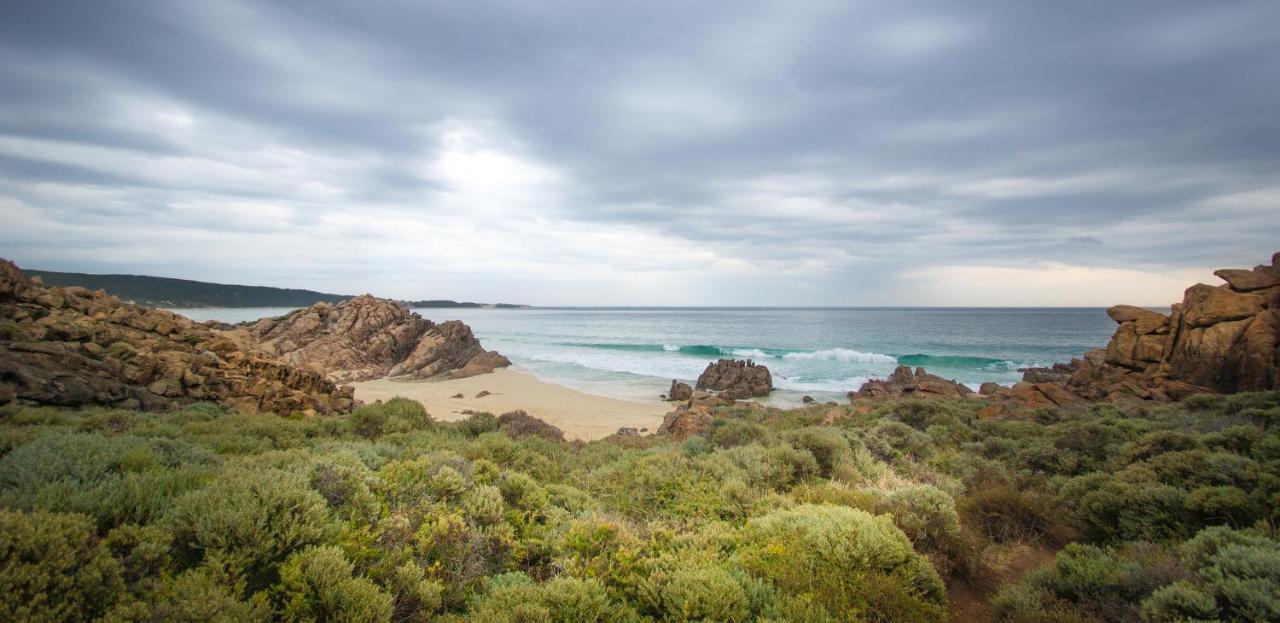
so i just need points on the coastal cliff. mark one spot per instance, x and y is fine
(1220, 339)
(71, 347)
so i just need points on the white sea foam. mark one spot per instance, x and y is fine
(752, 353)
(670, 347)
(845, 355)
(834, 385)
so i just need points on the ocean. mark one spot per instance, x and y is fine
(633, 353)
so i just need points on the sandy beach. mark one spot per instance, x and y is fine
(579, 414)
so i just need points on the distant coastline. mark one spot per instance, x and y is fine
(171, 293)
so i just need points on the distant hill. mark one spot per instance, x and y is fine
(183, 293)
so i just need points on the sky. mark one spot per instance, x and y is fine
(655, 153)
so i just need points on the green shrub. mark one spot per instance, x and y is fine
(248, 523)
(684, 593)
(1005, 514)
(928, 517)
(1180, 601)
(53, 569)
(201, 595)
(515, 598)
(316, 585)
(342, 479)
(866, 564)
(829, 448)
(733, 433)
(477, 424)
(416, 597)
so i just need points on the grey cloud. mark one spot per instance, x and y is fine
(901, 135)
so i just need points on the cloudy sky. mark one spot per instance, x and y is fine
(681, 153)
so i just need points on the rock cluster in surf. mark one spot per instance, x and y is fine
(905, 383)
(736, 379)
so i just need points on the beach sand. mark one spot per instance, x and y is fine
(580, 415)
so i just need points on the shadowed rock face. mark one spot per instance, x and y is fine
(736, 379)
(70, 346)
(1224, 339)
(368, 338)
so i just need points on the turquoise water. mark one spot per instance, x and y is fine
(635, 352)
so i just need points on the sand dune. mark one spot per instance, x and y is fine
(580, 415)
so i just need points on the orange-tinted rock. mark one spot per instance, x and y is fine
(903, 382)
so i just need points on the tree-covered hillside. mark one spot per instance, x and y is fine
(184, 293)
(1160, 513)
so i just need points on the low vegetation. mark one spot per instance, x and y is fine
(1155, 513)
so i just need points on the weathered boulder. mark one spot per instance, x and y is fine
(686, 421)
(679, 391)
(903, 382)
(366, 338)
(736, 379)
(69, 346)
(1260, 278)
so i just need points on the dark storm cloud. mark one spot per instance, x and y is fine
(825, 148)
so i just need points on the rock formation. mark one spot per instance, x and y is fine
(904, 383)
(736, 380)
(69, 346)
(1222, 339)
(367, 338)
(679, 391)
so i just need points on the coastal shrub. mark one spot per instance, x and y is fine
(681, 592)
(868, 565)
(316, 584)
(1005, 514)
(928, 517)
(890, 440)
(198, 596)
(416, 596)
(52, 568)
(1180, 601)
(696, 446)
(1220, 574)
(733, 433)
(477, 424)
(829, 448)
(777, 467)
(342, 479)
(516, 598)
(248, 523)
(520, 424)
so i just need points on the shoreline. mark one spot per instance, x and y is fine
(579, 414)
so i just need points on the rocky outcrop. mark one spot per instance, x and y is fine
(903, 383)
(679, 391)
(71, 347)
(736, 379)
(1218, 339)
(367, 338)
